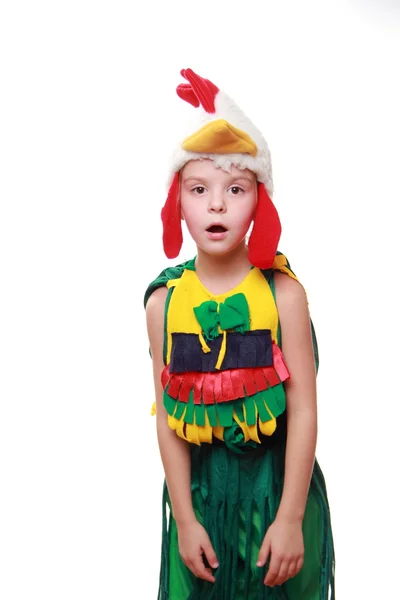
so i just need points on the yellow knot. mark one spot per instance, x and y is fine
(206, 349)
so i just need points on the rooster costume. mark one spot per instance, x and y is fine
(223, 383)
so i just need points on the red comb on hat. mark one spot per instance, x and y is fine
(198, 91)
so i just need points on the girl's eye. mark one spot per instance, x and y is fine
(199, 189)
(235, 190)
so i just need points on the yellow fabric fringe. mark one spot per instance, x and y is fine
(199, 434)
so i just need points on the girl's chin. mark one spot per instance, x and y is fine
(221, 249)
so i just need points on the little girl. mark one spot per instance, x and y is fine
(235, 359)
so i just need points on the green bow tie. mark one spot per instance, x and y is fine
(231, 314)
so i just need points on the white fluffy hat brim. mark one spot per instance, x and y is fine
(226, 109)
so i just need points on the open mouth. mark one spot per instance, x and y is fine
(216, 229)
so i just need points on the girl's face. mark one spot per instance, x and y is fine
(218, 207)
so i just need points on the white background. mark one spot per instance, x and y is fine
(88, 118)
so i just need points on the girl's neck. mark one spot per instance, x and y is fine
(222, 273)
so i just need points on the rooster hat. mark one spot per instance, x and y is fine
(225, 135)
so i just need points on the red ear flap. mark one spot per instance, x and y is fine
(171, 219)
(264, 238)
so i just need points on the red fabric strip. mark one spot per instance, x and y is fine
(227, 387)
(198, 386)
(174, 384)
(208, 390)
(271, 376)
(260, 380)
(218, 386)
(279, 363)
(187, 384)
(165, 376)
(237, 384)
(249, 384)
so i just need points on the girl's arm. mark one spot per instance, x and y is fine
(175, 454)
(284, 539)
(301, 396)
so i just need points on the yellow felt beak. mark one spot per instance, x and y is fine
(220, 137)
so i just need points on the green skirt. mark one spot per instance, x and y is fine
(236, 497)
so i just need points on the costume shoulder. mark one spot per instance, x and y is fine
(165, 276)
(281, 264)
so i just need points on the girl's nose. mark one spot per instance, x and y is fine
(216, 203)
(217, 209)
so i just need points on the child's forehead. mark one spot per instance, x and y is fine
(207, 168)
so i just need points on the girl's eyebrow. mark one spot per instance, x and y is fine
(242, 177)
(192, 177)
(233, 178)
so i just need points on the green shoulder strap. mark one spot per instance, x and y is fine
(161, 281)
(165, 275)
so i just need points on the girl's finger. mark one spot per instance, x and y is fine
(264, 553)
(299, 565)
(273, 570)
(200, 570)
(210, 555)
(292, 570)
(283, 573)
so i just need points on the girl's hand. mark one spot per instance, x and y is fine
(284, 543)
(193, 544)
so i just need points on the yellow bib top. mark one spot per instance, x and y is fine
(224, 370)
